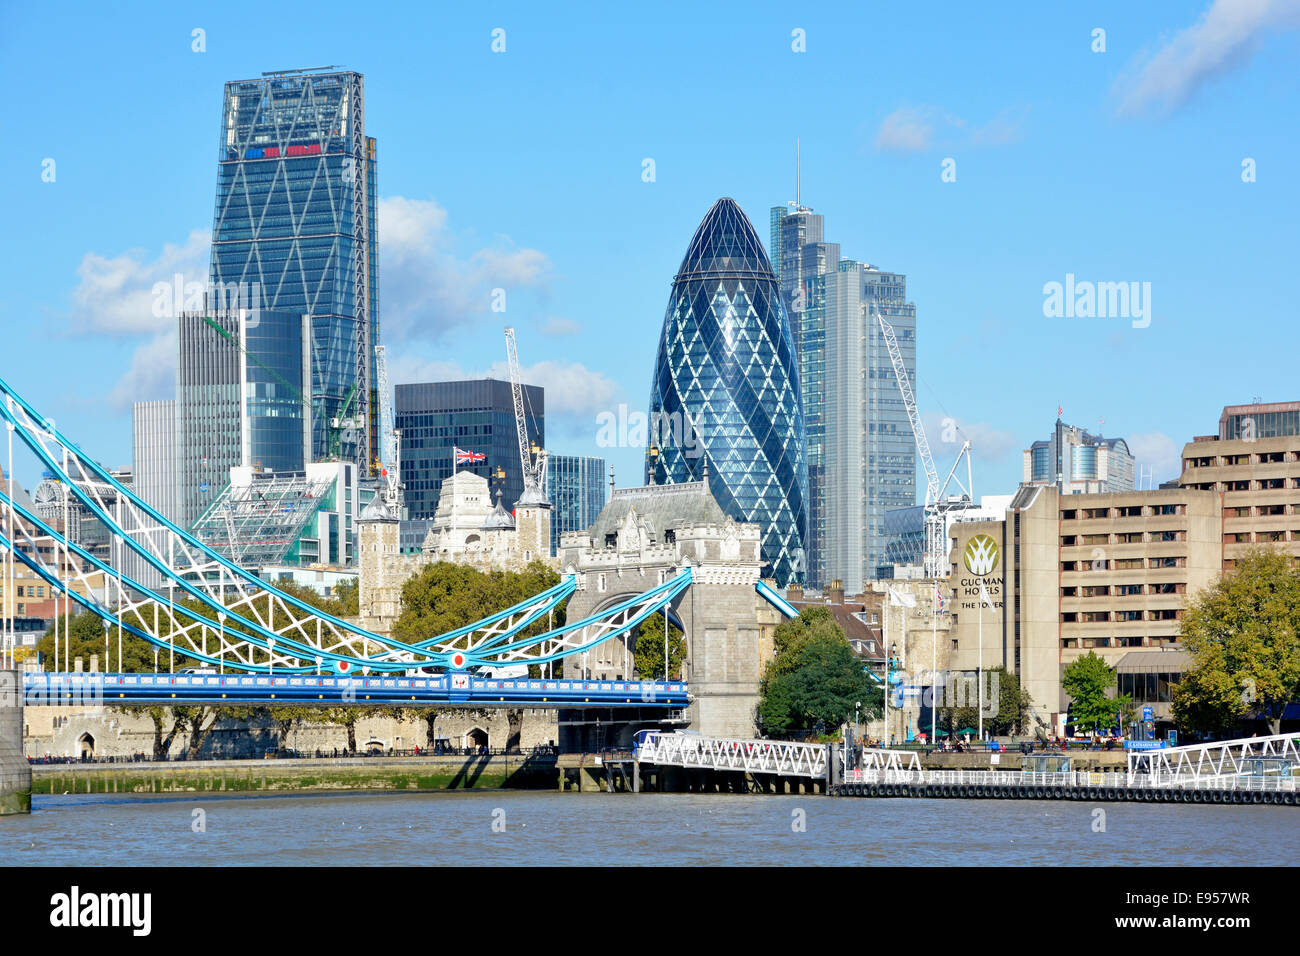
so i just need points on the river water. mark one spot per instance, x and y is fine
(526, 828)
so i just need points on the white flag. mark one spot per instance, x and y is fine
(901, 599)
(984, 596)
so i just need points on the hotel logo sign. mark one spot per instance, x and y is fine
(981, 555)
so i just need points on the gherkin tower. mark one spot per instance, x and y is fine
(725, 394)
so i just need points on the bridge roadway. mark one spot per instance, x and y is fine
(448, 689)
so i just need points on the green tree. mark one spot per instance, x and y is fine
(1243, 635)
(1087, 680)
(161, 716)
(1013, 705)
(649, 654)
(814, 678)
(446, 596)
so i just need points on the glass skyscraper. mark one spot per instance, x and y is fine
(295, 220)
(475, 416)
(861, 451)
(576, 487)
(725, 393)
(242, 379)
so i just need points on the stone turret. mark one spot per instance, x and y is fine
(382, 573)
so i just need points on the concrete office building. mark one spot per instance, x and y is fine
(1254, 463)
(1067, 574)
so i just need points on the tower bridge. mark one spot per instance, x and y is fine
(666, 548)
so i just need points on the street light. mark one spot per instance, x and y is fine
(889, 668)
(107, 625)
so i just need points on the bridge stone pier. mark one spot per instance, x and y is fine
(645, 536)
(15, 774)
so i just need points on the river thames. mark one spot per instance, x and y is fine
(503, 828)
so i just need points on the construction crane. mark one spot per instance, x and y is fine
(343, 425)
(389, 466)
(532, 461)
(937, 506)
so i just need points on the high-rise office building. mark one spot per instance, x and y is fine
(862, 455)
(241, 399)
(576, 487)
(153, 465)
(476, 416)
(295, 228)
(1079, 463)
(802, 261)
(724, 400)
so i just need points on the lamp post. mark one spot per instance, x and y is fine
(889, 676)
(107, 625)
(270, 655)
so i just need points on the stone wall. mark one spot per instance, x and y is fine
(108, 732)
(15, 774)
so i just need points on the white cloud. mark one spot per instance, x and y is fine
(1225, 38)
(907, 130)
(1159, 453)
(946, 433)
(428, 285)
(114, 296)
(556, 326)
(573, 391)
(152, 373)
(916, 129)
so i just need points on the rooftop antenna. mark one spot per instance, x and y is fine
(798, 175)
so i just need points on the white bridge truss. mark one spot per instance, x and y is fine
(1225, 758)
(235, 619)
(780, 757)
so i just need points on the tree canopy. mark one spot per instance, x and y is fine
(814, 677)
(1243, 635)
(1087, 680)
(963, 705)
(649, 655)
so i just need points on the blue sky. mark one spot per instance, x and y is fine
(523, 170)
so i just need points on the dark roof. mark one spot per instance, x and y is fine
(662, 507)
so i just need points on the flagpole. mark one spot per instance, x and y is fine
(979, 670)
(934, 659)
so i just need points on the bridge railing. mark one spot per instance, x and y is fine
(1072, 778)
(1220, 757)
(780, 757)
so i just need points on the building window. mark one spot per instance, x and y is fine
(600, 583)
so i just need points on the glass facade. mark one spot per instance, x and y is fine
(1078, 462)
(576, 487)
(802, 262)
(726, 383)
(475, 416)
(295, 220)
(239, 400)
(861, 453)
(1262, 421)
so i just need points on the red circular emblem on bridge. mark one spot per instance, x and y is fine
(458, 659)
(344, 666)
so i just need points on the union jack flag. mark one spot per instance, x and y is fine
(943, 605)
(468, 457)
